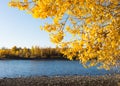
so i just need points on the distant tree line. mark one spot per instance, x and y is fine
(34, 52)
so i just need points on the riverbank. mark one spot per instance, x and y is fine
(107, 80)
(17, 58)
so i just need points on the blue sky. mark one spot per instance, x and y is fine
(20, 29)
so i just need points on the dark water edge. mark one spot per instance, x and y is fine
(36, 58)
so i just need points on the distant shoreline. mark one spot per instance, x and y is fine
(107, 80)
(38, 58)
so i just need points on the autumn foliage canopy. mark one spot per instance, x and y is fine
(88, 30)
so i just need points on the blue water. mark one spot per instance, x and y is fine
(26, 68)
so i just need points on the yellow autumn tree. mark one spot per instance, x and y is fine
(88, 30)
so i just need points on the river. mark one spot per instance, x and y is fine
(26, 68)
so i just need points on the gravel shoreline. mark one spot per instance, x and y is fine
(107, 80)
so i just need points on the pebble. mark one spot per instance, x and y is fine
(107, 80)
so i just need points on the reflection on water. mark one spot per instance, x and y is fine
(18, 68)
